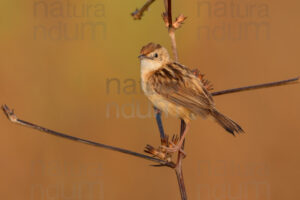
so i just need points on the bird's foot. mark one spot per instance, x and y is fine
(167, 148)
(159, 153)
(173, 148)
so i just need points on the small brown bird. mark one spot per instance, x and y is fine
(174, 89)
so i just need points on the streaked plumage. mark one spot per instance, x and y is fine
(174, 88)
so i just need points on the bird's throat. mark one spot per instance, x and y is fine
(148, 66)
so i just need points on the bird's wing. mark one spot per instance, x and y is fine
(177, 84)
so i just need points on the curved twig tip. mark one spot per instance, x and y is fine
(138, 13)
(9, 113)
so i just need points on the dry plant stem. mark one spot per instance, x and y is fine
(259, 86)
(178, 168)
(171, 30)
(168, 7)
(138, 13)
(173, 40)
(13, 118)
(179, 175)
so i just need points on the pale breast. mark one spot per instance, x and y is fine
(166, 106)
(158, 100)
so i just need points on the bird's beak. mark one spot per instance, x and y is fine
(141, 56)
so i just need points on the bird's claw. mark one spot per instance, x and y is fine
(173, 149)
(167, 148)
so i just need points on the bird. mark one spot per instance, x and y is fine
(174, 89)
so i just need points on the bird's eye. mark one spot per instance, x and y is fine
(155, 55)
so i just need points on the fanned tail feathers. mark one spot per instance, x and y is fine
(228, 124)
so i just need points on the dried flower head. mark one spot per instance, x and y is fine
(179, 21)
(206, 83)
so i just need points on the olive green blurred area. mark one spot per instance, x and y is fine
(72, 66)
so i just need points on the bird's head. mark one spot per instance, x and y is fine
(155, 54)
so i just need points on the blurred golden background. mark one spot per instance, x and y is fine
(72, 66)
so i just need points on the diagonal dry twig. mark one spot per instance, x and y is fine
(259, 86)
(13, 118)
(138, 13)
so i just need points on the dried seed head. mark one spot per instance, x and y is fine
(179, 21)
(206, 83)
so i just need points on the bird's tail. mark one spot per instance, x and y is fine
(226, 122)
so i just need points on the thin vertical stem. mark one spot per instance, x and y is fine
(174, 45)
(180, 179)
(171, 29)
(169, 9)
(178, 168)
(166, 6)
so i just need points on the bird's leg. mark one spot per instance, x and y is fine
(182, 128)
(177, 147)
(159, 123)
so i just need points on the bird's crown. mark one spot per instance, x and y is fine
(149, 48)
